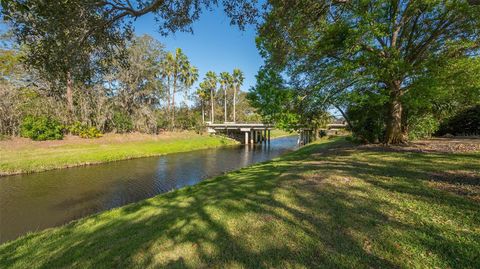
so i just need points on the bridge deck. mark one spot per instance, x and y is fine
(248, 132)
(240, 126)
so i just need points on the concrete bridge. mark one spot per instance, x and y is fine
(251, 133)
(248, 133)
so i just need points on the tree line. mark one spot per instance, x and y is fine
(138, 92)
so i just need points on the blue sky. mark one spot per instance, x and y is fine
(215, 44)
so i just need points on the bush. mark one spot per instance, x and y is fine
(91, 132)
(422, 127)
(122, 122)
(84, 131)
(76, 128)
(41, 128)
(466, 122)
(367, 121)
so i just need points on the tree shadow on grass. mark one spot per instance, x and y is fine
(317, 207)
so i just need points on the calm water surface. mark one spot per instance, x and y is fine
(34, 202)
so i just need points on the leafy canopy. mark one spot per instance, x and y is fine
(82, 36)
(330, 49)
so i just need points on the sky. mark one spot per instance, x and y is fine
(215, 45)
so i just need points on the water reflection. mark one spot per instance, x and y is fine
(38, 201)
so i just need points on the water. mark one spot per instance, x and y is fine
(37, 201)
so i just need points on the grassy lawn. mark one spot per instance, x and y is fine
(330, 204)
(28, 156)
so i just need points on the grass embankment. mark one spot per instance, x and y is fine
(277, 133)
(327, 205)
(25, 156)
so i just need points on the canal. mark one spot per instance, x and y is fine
(33, 202)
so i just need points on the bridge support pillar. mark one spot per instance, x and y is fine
(251, 136)
(268, 136)
(246, 138)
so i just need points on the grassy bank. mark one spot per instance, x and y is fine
(330, 204)
(277, 133)
(25, 156)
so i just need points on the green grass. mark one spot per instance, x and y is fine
(34, 159)
(328, 205)
(276, 133)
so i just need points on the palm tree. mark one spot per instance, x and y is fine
(226, 83)
(179, 73)
(167, 73)
(237, 78)
(203, 94)
(189, 77)
(211, 83)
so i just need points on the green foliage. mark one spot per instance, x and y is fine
(76, 128)
(466, 122)
(199, 128)
(91, 132)
(41, 128)
(180, 74)
(366, 115)
(422, 127)
(122, 123)
(273, 100)
(82, 35)
(187, 120)
(445, 91)
(64, 36)
(329, 47)
(83, 130)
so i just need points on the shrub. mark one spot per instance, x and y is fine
(91, 132)
(76, 128)
(422, 127)
(466, 122)
(83, 131)
(367, 121)
(122, 122)
(41, 128)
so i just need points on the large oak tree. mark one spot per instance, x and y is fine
(333, 46)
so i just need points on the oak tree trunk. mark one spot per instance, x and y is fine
(395, 134)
